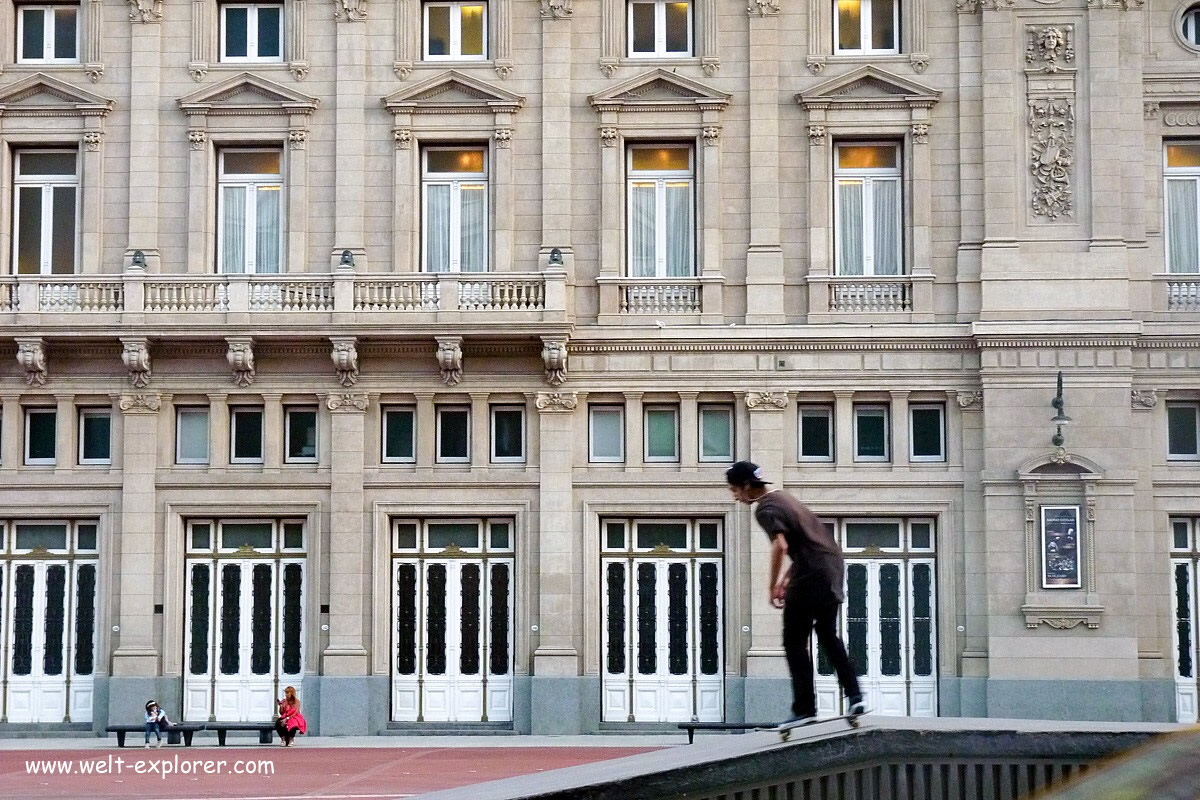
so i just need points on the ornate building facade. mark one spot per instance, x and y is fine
(395, 351)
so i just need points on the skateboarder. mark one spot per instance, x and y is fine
(809, 593)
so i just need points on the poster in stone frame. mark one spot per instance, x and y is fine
(1060, 547)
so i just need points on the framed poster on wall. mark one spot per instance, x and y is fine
(1060, 547)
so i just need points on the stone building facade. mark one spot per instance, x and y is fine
(395, 351)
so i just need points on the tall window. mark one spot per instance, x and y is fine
(1183, 431)
(662, 233)
(301, 435)
(45, 213)
(250, 235)
(868, 209)
(927, 440)
(251, 33)
(95, 436)
(816, 433)
(246, 435)
(1183, 183)
(716, 433)
(508, 434)
(454, 204)
(399, 434)
(606, 433)
(191, 435)
(866, 26)
(871, 437)
(455, 31)
(660, 28)
(453, 434)
(41, 426)
(661, 433)
(48, 34)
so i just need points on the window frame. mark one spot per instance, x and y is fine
(288, 412)
(865, 31)
(660, 31)
(95, 412)
(48, 32)
(42, 461)
(439, 412)
(941, 411)
(48, 183)
(182, 410)
(252, 38)
(520, 411)
(859, 408)
(868, 176)
(661, 179)
(606, 408)
(659, 408)
(241, 411)
(252, 183)
(455, 42)
(826, 410)
(708, 408)
(1189, 17)
(388, 410)
(1195, 409)
(1179, 175)
(455, 181)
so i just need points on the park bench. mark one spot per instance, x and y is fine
(266, 730)
(692, 727)
(175, 733)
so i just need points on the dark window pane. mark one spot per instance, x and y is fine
(261, 619)
(447, 534)
(231, 617)
(406, 537)
(647, 619)
(437, 33)
(398, 436)
(34, 162)
(435, 604)
(97, 441)
(64, 32)
(452, 440)
(677, 27)
(500, 620)
(509, 433)
(709, 536)
(716, 434)
(33, 32)
(29, 230)
(670, 534)
(614, 536)
(268, 31)
(201, 537)
(499, 536)
(236, 27)
(710, 615)
(86, 536)
(468, 658)
(62, 234)
(927, 432)
(883, 25)
(1181, 430)
(246, 534)
(293, 579)
(922, 535)
(616, 619)
(865, 534)
(856, 616)
(42, 425)
(198, 647)
(677, 619)
(22, 630)
(814, 435)
(872, 434)
(293, 535)
(922, 620)
(643, 27)
(662, 434)
(406, 619)
(33, 535)
(1183, 619)
(302, 434)
(52, 642)
(890, 659)
(251, 162)
(247, 434)
(1179, 530)
(85, 619)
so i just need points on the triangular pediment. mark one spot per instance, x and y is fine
(659, 90)
(869, 84)
(43, 93)
(246, 92)
(453, 91)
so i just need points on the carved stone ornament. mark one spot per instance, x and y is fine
(450, 359)
(764, 8)
(31, 355)
(145, 10)
(1180, 119)
(815, 64)
(608, 137)
(1063, 619)
(198, 70)
(971, 6)
(91, 140)
(712, 135)
(1150, 109)
(711, 66)
(297, 137)
(919, 62)
(920, 132)
(556, 9)
(402, 69)
(299, 70)
(140, 403)
(196, 139)
(766, 401)
(345, 359)
(1124, 5)
(556, 401)
(94, 72)
(608, 66)
(403, 137)
(503, 137)
(241, 359)
(504, 69)
(1060, 456)
(1048, 48)
(554, 356)
(1051, 156)
(135, 354)
(347, 402)
(1143, 400)
(350, 10)
(970, 400)
(816, 135)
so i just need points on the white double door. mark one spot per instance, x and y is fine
(662, 657)
(452, 639)
(47, 631)
(888, 624)
(245, 631)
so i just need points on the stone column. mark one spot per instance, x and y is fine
(64, 433)
(635, 446)
(481, 445)
(145, 70)
(426, 427)
(765, 656)
(689, 432)
(218, 426)
(349, 161)
(556, 129)
(13, 429)
(764, 256)
(1002, 111)
(274, 431)
(843, 432)
(899, 425)
(556, 665)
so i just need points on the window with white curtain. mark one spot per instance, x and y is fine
(867, 209)
(45, 211)
(48, 34)
(660, 28)
(251, 32)
(249, 210)
(661, 219)
(1182, 187)
(866, 26)
(1189, 26)
(455, 31)
(454, 207)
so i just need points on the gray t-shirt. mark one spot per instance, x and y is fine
(816, 557)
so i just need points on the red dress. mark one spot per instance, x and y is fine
(291, 718)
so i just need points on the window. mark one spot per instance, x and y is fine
(662, 433)
(41, 430)
(927, 437)
(866, 26)
(508, 433)
(453, 434)
(301, 434)
(660, 29)
(1183, 431)
(661, 227)
(871, 433)
(716, 433)
(45, 187)
(816, 433)
(1189, 26)
(1182, 228)
(399, 435)
(606, 433)
(246, 435)
(48, 34)
(455, 31)
(454, 204)
(250, 235)
(191, 436)
(95, 436)
(867, 209)
(251, 33)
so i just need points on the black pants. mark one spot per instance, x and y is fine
(810, 608)
(285, 734)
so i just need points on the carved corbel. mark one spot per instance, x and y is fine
(347, 402)
(241, 359)
(449, 356)
(970, 401)
(31, 355)
(766, 401)
(556, 9)
(140, 403)
(135, 354)
(1143, 400)
(145, 10)
(556, 401)
(345, 359)
(554, 356)
(350, 10)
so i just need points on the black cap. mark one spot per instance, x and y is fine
(745, 472)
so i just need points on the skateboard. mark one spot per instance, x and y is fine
(785, 731)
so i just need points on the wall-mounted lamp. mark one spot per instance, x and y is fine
(556, 259)
(347, 259)
(1060, 418)
(139, 260)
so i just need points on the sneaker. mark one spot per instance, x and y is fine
(796, 720)
(856, 707)
(158, 743)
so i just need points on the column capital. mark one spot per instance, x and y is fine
(552, 402)
(347, 402)
(766, 400)
(141, 403)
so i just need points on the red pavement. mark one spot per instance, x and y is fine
(374, 773)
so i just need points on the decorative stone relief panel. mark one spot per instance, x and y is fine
(140, 403)
(135, 355)
(450, 359)
(556, 401)
(1143, 399)
(347, 402)
(1050, 100)
(345, 359)
(766, 400)
(554, 356)
(241, 359)
(31, 355)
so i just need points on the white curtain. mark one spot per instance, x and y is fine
(473, 227)
(437, 228)
(233, 229)
(641, 230)
(1182, 255)
(267, 238)
(886, 208)
(680, 233)
(850, 227)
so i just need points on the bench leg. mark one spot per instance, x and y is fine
(172, 736)
(691, 735)
(221, 736)
(187, 737)
(266, 736)
(120, 738)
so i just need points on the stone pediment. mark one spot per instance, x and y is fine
(451, 92)
(659, 90)
(869, 87)
(248, 94)
(42, 95)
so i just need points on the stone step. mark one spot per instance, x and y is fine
(46, 730)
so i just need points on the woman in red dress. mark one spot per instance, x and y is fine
(290, 721)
